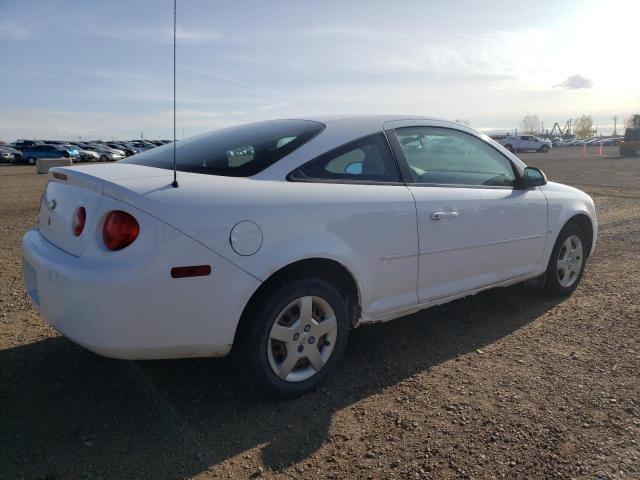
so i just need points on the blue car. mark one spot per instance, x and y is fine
(32, 154)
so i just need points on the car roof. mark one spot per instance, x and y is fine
(363, 119)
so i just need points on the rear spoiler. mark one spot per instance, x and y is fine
(75, 177)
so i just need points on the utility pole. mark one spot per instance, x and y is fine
(615, 125)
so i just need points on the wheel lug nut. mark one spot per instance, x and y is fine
(296, 336)
(307, 328)
(311, 340)
(300, 348)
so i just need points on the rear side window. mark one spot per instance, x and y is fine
(240, 151)
(365, 160)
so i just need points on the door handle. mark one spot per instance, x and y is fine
(441, 215)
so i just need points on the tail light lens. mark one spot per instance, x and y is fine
(79, 219)
(120, 230)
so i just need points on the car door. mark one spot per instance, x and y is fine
(476, 227)
(38, 151)
(523, 142)
(49, 152)
(372, 212)
(535, 143)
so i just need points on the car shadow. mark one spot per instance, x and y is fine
(68, 412)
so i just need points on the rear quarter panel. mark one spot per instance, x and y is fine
(369, 229)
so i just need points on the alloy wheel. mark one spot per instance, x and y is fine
(302, 339)
(570, 259)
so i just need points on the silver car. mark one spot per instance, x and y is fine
(107, 154)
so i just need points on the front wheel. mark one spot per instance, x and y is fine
(544, 148)
(292, 339)
(103, 158)
(509, 147)
(31, 161)
(567, 261)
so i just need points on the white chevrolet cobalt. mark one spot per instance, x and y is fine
(282, 235)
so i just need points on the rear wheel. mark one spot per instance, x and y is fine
(509, 147)
(31, 161)
(294, 337)
(544, 148)
(103, 158)
(567, 261)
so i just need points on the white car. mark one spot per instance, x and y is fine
(282, 235)
(521, 143)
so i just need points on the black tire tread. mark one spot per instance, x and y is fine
(552, 285)
(254, 329)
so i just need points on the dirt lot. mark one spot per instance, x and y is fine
(506, 384)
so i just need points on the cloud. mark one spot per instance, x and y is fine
(157, 35)
(221, 77)
(12, 31)
(197, 36)
(575, 82)
(274, 105)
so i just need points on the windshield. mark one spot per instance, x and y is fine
(239, 151)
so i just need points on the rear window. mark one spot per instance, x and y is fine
(239, 151)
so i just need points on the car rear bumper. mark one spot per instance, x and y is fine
(131, 311)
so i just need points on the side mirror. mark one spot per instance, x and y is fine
(533, 177)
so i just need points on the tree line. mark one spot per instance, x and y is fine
(582, 126)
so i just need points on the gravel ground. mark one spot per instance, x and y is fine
(505, 384)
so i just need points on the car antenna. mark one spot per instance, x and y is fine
(175, 174)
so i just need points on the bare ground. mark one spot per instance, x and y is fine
(507, 383)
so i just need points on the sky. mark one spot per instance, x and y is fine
(103, 69)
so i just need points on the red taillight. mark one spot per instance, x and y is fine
(120, 229)
(79, 218)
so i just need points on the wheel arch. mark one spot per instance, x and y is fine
(319, 267)
(584, 222)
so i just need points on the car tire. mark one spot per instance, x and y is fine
(626, 153)
(103, 158)
(31, 161)
(544, 148)
(509, 147)
(275, 348)
(567, 262)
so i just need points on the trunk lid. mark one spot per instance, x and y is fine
(70, 188)
(61, 198)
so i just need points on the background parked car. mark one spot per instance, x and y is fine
(30, 155)
(127, 149)
(630, 146)
(142, 145)
(107, 154)
(85, 155)
(9, 154)
(525, 142)
(26, 144)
